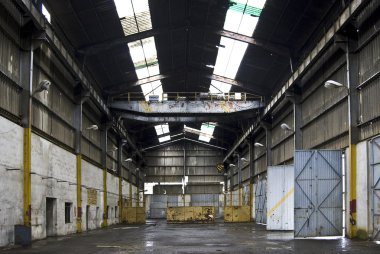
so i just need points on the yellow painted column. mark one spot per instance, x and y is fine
(27, 211)
(79, 192)
(352, 161)
(120, 198)
(105, 210)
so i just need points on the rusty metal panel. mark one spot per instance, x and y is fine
(191, 214)
(133, 215)
(237, 214)
(228, 214)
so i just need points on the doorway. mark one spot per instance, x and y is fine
(51, 216)
(87, 216)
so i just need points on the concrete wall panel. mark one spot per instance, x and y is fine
(11, 181)
(53, 176)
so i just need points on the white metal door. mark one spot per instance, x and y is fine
(375, 186)
(318, 205)
(280, 198)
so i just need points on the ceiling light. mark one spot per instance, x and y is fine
(210, 66)
(128, 159)
(257, 144)
(44, 85)
(231, 165)
(137, 169)
(333, 84)
(286, 127)
(114, 148)
(92, 127)
(244, 159)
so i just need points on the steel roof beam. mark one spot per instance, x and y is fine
(96, 48)
(186, 107)
(124, 88)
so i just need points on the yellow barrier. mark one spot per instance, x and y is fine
(191, 214)
(133, 215)
(237, 214)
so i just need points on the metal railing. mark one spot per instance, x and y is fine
(190, 96)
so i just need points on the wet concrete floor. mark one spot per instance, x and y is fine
(160, 237)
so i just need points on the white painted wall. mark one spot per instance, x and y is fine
(92, 177)
(134, 196)
(113, 198)
(362, 186)
(50, 165)
(11, 181)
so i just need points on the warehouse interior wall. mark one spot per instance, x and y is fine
(318, 119)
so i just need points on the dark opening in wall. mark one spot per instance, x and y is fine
(68, 212)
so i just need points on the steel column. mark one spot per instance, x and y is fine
(353, 107)
(26, 69)
(77, 123)
(103, 144)
(121, 143)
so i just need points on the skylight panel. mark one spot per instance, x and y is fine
(152, 88)
(164, 138)
(242, 18)
(204, 138)
(208, 129)
(144, 56)
(134, 15)
(162, 129)
(229, 58)
(219, 87)
(46, 13)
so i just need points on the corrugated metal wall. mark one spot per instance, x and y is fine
(112, 152)
(90, 138)
(259, 154)
(9, 63)
(167, 165)
(369, 78)
(282, 141)
(325, 111)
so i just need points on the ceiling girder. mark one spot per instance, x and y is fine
(124, 88)
(96, 48)
(186, 107)
(186, 119)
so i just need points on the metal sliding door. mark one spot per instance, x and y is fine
(375, 186)
(318, 205)
(260, 201)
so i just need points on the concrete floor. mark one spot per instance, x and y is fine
(159, 237)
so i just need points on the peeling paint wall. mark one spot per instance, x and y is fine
(53, 176)
(11, 181)
(362, 186)
(113, 199)
(92, 179)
